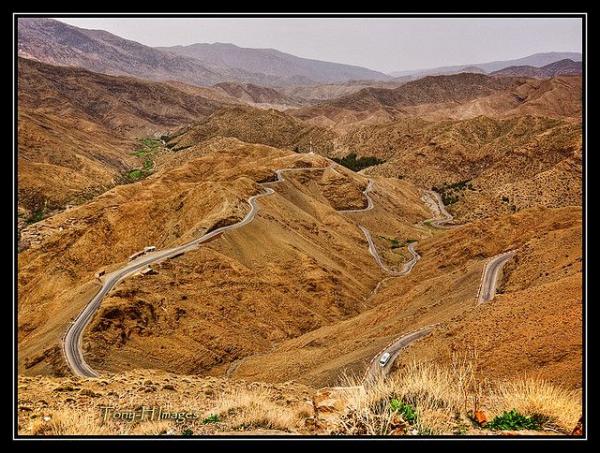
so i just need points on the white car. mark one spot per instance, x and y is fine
(384, 358)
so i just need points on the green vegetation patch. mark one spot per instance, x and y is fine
(36, 216)
(450, 192)
(356, 164)
(135, 175)
(408, 412)
(146, 150)
(513, 421)
(213, 418)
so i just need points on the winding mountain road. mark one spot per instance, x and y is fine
(73, 336)
(489, 277)
(407, 266)
(375, 371)
(444, 219)
(365, 192)
(72, 339)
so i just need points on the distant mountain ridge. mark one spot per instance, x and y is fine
(54, 42)
(536, 60)
(288, 68)
(562, 67)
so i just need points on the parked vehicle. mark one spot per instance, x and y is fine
(136, 255)
(150, 248)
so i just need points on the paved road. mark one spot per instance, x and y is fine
(489, 278)
(72, 338)
(407, 266)
(367, 196)
(444, 219)
(375, 371)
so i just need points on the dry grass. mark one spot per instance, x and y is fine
(536, 397)
(443, 399)
(250, 409)
(70, 422)
(438, 395)
(430, 400)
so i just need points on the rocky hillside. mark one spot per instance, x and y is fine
(482, 166)
(268, 127)
(255, 94)
(78, 129)
(378, 105)
(455, 96)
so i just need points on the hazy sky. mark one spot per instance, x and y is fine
(389, 44)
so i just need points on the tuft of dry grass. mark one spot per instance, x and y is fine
(250, 409)
(70, 422)
(437, 394)
(443, 398)
(536, 397)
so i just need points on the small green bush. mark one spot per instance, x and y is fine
(513, 420)
(187, 432)
(213, 418)
(407, 412)
(36, 216)
(135, 175)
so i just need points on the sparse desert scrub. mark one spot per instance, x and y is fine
(70, 422)
(421, 398)
(247, 409)
(554, 406)
(437, 395)
(428, 399)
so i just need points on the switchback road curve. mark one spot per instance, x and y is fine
(73, 336)
(489, 278)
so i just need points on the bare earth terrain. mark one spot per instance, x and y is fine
(456, 248)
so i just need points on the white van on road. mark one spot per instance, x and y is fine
(384, 358)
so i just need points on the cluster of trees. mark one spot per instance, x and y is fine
(353, 163)
(448, 192)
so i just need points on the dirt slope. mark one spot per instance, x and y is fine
(443, 289)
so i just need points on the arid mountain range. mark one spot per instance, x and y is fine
(536, 60)
(55, 42)
(558, 68)
(347, 211)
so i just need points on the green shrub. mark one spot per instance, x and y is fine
(36, 216)
(187, 432)
(135, 175)
(395, 244)
(151, 142)
(513, 420)
(449, 199)
(213, 418)
(407, 412)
